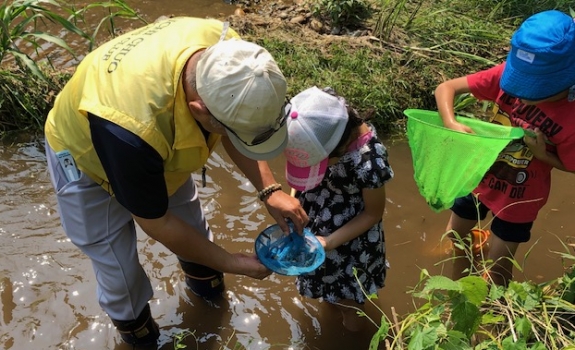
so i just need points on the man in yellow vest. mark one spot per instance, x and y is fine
(139, 115)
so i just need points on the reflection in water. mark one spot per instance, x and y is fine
(47, 287)
(7, 297)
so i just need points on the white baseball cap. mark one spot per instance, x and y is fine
(316, 122)
(244, 89)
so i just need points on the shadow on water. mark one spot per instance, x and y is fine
(47, 288)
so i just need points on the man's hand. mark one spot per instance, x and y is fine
(281, 205)
(186, 242)
(249, 266)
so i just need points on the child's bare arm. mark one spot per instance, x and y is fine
(444, 95)
(374, 206)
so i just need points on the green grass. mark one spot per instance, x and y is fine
(415, 46)
(26, 99)
(29, 81)
(341, 66)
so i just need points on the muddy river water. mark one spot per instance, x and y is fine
(48, 290)
(47, 287)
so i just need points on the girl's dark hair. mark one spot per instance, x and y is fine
(350, 132)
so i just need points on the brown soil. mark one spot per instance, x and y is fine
(295, 22)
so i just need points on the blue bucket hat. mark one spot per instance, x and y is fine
(541, 62)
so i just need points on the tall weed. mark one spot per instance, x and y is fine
(25, 99)
(112, 11)
(20, 36)
(29, 81)
(519, 10)
(25, 29)
(443, 31)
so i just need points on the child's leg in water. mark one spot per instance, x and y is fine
(463, 227)
(351, 320)
(500, 252)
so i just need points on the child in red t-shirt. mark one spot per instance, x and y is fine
(534, 89)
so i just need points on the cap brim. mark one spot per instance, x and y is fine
(267, 150)
(306, 178)
(532, 87)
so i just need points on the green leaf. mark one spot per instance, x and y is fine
(463, 101)
(379, 335)
(509, 344)
(475, 289)
(442, 283)
(52, 39)
(70, 26)
(523, 327)
(30, 64)
(490, 318)
(540, 346)
(466, 318)
(496, 292)
(372, 296)
(525, 294)
(455, 341)
(423, 339)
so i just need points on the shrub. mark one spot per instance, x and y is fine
(343, 13)
(26, 99)
(474, 313)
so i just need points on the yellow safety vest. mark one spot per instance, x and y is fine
(134, 81)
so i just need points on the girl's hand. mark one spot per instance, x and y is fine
(323, 242)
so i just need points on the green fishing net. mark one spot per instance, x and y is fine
(448, 164)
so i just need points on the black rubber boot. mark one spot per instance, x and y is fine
(203, 281)
(143, 331)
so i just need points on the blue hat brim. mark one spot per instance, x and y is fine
(528, 86)
(541, 60)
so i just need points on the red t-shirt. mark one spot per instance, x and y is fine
(517, 185)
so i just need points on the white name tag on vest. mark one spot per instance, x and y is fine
(69, 165)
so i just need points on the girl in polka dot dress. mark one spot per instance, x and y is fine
(338, 168)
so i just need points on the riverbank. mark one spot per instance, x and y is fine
(388, 62)
(385, 65)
